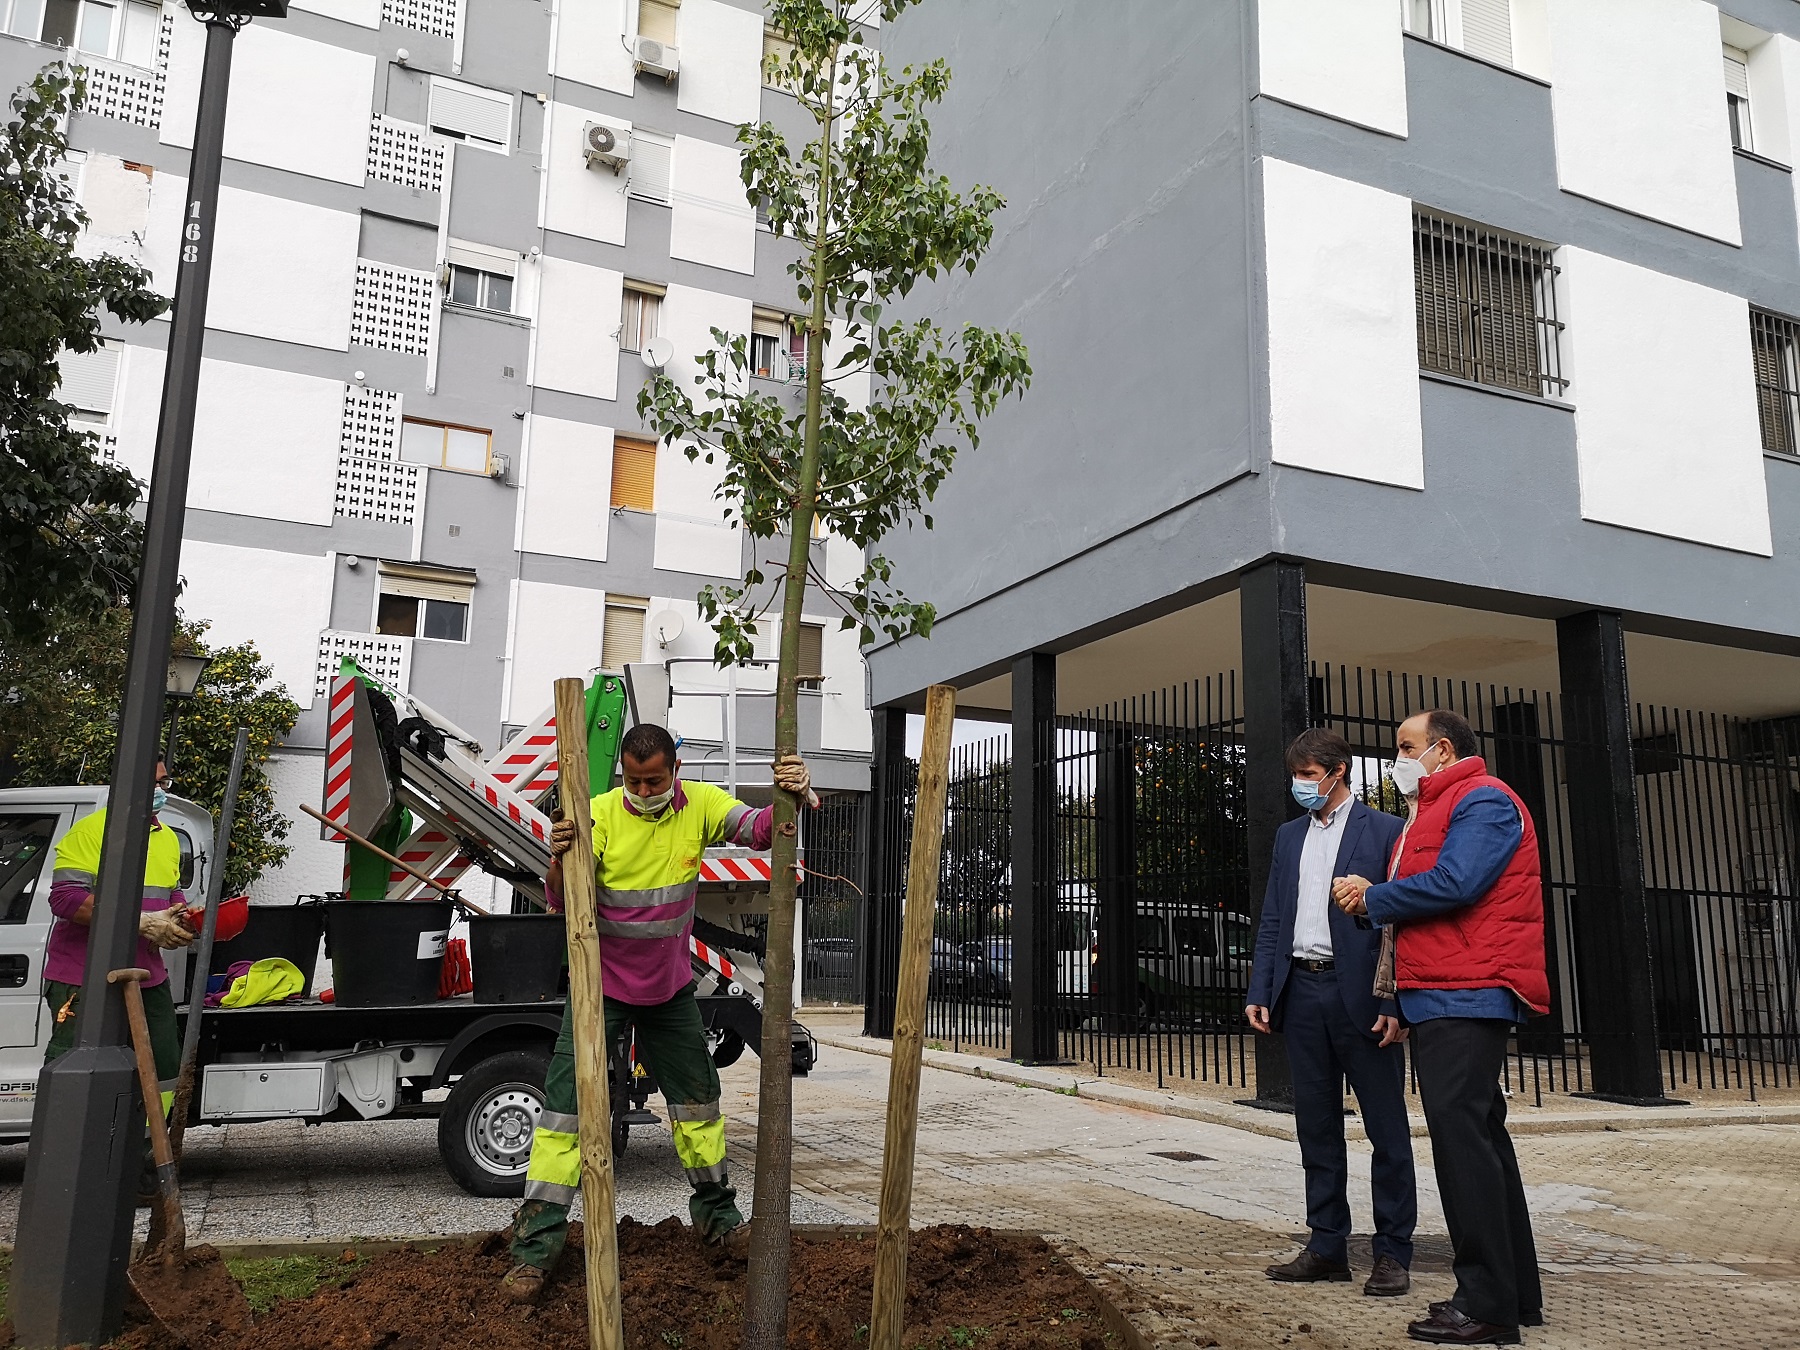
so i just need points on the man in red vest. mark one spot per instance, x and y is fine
(1466, 899)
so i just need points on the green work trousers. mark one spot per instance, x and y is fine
(671, 1043)
(165, 1041)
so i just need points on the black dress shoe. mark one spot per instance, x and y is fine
(1389, 1279)
(1308, 1267)
(1449, 1325)
(1534, 1318)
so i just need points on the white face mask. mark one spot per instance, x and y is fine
(650, 806)
(1409, 773)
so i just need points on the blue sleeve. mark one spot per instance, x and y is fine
(1484, 833)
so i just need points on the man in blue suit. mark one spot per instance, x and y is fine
(1313, 980)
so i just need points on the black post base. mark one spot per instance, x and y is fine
(80, 1187)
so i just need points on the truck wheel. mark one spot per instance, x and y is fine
(484, 1133)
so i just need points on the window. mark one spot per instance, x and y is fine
(24, 849)
(656, 19)
(812, 655)
(1479, 27)
(467, 112)
(90, 381)
(622, 640)
(634, 474)
(1737, 97)
(777, 52)
(640, 308)
(771, 343)
(648, 176)
(421, 601)
(124, 30)
(480, 290)
(1486, 306)
(1777, 381)
(442, 446)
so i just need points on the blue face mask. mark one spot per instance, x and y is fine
(1307, 793)
(158, 800)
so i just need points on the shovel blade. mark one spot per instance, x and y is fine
(193, 1298)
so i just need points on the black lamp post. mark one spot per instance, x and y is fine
(74, 1238)
(185, 673)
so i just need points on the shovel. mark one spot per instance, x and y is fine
(192, 1295)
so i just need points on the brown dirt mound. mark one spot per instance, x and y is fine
(965, 1287)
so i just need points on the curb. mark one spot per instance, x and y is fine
(1278, 1126)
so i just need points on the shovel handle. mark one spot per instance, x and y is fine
(380, 852)
(130, 978)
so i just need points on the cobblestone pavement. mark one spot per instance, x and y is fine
(1648, 1237)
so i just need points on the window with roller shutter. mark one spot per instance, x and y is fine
(1737, 97)
(634, 474)
(652, 157)
(422, 601)
(812, 655)
(471, 114)
(622, 639)
(1773, 357)
(90, 381)
(1486, 306)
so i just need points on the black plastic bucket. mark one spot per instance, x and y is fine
(288, 931)
(386, 952)
(517, 958)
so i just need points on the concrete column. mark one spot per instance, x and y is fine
(1612, 930)
(1034, 1039)
(886, 871)
(1272, 613)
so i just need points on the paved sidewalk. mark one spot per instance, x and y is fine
(1649, 1237)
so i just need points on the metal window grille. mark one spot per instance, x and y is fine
(1487, 306)
(1777, 381)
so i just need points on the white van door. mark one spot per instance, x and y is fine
(27, 835)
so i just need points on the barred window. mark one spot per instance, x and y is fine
(1777, 380)
(1486, 306)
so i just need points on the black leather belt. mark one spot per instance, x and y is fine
(1314, 966)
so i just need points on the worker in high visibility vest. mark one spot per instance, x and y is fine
(649, 835)
(160, 928)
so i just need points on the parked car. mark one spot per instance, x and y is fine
(1074, 956)
(830, 958)
(1193, 964)
(961, 970)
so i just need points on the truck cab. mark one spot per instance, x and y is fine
(32, 823)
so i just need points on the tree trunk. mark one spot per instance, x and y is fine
(765, 1313)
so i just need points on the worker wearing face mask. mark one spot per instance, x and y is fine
(649, 835)
(1466, 897)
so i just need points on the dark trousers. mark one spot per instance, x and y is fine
(1458, 1060)
(1324, 1048)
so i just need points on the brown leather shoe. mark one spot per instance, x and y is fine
(524, 1284)
(1389, 1279)
(1308, 1267)
(1449, 1325)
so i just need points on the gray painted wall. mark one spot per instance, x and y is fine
(1128, 200)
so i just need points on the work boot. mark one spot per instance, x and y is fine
(735, 1241)
(524, 1284)
(713, 1208)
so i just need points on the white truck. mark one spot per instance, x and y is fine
(320, 1061)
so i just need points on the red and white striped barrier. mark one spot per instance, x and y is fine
(714, 958)
(751, 869)
(340, 720)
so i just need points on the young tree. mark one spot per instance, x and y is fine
(871, 219)
(59, 704)
(71, 541)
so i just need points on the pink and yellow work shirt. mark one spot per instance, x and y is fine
(648, 873)
(77, 867)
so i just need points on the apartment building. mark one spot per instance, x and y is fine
(1392, 353)
(455, 238)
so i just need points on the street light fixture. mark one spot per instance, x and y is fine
(186, 670)
(74, 1231)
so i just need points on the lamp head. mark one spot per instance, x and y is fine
(186, 670)
(239, 9)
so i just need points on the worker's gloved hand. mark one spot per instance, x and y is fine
(164, 928)
(791, 776)
(562, 837)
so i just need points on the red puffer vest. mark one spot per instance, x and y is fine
(1498, 940)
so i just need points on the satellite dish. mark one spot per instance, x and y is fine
(658, 352)
(601, 138)
(666, 627)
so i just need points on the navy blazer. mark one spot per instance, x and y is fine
(1364, 850)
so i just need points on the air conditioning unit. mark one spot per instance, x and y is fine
(656, 58)
(605, 147)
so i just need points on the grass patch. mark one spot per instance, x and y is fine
(267, 1280)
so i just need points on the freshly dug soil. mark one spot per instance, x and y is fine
(965, 1287)
(196, 1300)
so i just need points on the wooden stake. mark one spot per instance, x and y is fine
(600, 1243)
(887, 1320)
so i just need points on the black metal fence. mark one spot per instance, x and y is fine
(833, 915)
(1153, 912)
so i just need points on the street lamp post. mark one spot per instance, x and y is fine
(186, 670)
(74, 1238)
